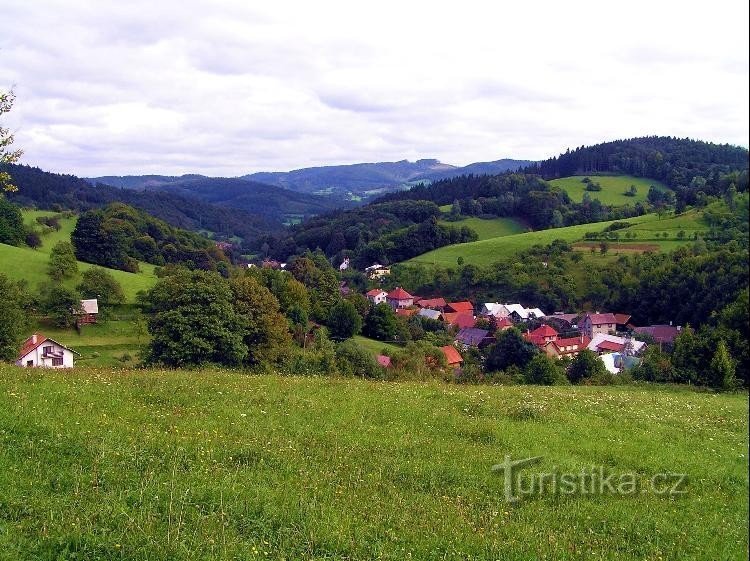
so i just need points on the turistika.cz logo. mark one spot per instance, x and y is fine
(593, 480)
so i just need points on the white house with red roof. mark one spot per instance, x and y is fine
(541, 335)
(376, 296)
(399, 298)
(39, 350)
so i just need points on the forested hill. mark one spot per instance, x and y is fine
(674, 161)
(47, 190)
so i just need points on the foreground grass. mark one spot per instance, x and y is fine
(613, 188)
(98, 464)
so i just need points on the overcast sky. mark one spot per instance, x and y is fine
(232, 87)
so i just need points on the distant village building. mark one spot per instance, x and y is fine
(459, 320)
(88, 312)
(41, 351)
(377, 271)
(430, 314)
(399, 298)
(661, 334)
(452, 356)
(431, 303)
(460, 307)
(567, 347)
(345, 265)
(603, 343)
(595, 324)
(377, 296)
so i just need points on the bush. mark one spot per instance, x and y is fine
(352, 360)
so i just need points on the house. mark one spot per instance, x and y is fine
(344, 265)
(541, 335)
(377, 271)
(621, 321)
(376, 296)
(459, 320)
(39, 350)
(517, 312)
(88, 312)
(452, 356)
(430, 314)
(596, 323)
(661, 334)
(399, 298)
(604, 343)
(384, 361)
(494, 309)
(473, 337)
(567, 320)
(501, 324)
(460, 308)
(431, 303)
(565, 347)
(406, 312)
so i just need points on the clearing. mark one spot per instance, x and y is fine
(613, 188)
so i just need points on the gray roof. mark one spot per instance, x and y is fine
(432, 314)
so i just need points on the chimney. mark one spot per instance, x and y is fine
(33, 339)
(670, 323)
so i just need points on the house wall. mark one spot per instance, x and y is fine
(395, 304)
(590, 329)
(38, 360)
(379, 299)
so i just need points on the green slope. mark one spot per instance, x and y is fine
(490, 228)
(613, 187)
(206, 464)
(23, 263)
(485, 252)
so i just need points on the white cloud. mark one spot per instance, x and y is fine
(226, 89)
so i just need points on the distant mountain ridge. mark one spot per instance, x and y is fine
(362, 179)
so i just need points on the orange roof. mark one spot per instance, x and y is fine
(461, 306)
(503, 323)
(431, 303)
(399, 293)
(460, 319)
(406, 312)
(28, 346)
(622, 319)
(610, 346)
(452, 356)
(374, 292)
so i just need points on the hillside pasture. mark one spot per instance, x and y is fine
(490, 228)
(613, 188)
(209, 464)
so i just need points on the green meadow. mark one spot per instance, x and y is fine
(490, 228)
(485, 252)
(214, 465)
(23, 263)
(373, 346)
(613, 188)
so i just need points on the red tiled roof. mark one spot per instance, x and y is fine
(461, 307)
(622, 319)
(384, 361)
(660, 333)
(570, 341)
(610, 346)
(544, 331)
(502, 323)
(374, 292)
(459, 319)
(399, 293)
(28, 346)
(598, 319)
(452, 356)
(431, 303)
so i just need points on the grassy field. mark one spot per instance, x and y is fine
(490, 228)
(31, 265)
(613, 187)
(373, 346)
(100, 464)
(485, 252)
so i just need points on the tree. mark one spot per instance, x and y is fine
(100, 284)
(12, 231)
(722, 368)
(381, 323)
(62, 262)
(61, 304)
(343, 320)
(193, 321)
(265, 330)
(511, 349)
(13, 318)
(544, 370)
(585, 365)
(353, 360)
(7, 155)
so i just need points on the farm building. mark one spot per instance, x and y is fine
(41, 351)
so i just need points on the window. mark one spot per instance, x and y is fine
(57, 362)
(29, 363)
(47, 350)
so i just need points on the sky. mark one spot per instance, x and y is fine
(226, 88)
